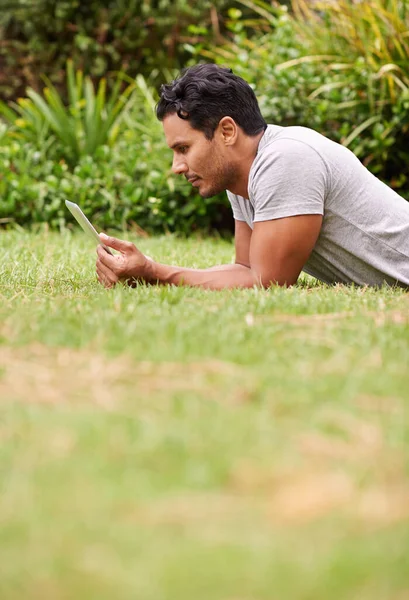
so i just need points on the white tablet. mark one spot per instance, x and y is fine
(85, 224)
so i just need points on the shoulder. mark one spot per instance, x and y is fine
(291, 143)
(287, 147)
(292, 154)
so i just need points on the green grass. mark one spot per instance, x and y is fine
(169, 443)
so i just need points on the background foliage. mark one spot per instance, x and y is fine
(124, 182)
(340, 68)
(100, 36)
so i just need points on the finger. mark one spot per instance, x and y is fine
(107, 259)
(120, 245)
(105, 273)
(104, 281)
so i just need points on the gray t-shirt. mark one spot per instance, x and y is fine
(364, 237)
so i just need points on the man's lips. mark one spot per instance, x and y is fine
(193, 180)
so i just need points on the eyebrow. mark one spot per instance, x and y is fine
(178, 143)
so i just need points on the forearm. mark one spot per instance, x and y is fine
(215, 278)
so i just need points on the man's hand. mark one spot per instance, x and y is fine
(127, 266)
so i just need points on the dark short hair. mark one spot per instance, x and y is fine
(204, 94)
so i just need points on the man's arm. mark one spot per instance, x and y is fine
(242, 239)
(274, 253)
(217, 277)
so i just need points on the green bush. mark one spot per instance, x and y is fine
(126, 184)
(89, 120)
(101, 36)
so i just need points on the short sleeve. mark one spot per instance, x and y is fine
(289, 178)
(237, 211)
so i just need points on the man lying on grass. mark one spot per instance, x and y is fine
(300, 201)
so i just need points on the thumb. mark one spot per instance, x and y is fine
(111, 242)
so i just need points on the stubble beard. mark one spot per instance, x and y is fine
(223, 178)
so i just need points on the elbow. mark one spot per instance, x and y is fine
(242, 263)
(279, 274)
(267, 281)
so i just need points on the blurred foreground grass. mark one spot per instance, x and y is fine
(169, 443)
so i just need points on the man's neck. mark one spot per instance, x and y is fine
(247, 153)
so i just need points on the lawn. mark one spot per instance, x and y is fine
(179, 444)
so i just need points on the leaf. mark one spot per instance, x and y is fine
(304, 59)
(327, 87)
(358, 130)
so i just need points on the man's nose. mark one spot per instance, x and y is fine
(179, 165)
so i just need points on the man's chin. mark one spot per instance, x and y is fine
(206, 195)
(209, 192)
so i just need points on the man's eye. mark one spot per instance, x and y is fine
(183, 149)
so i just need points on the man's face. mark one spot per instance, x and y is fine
(203, 162)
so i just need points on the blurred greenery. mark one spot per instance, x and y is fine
(341, 68)
(100, 36)
(122, 184)
(89, 120)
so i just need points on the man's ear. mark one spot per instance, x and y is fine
(228, 130)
